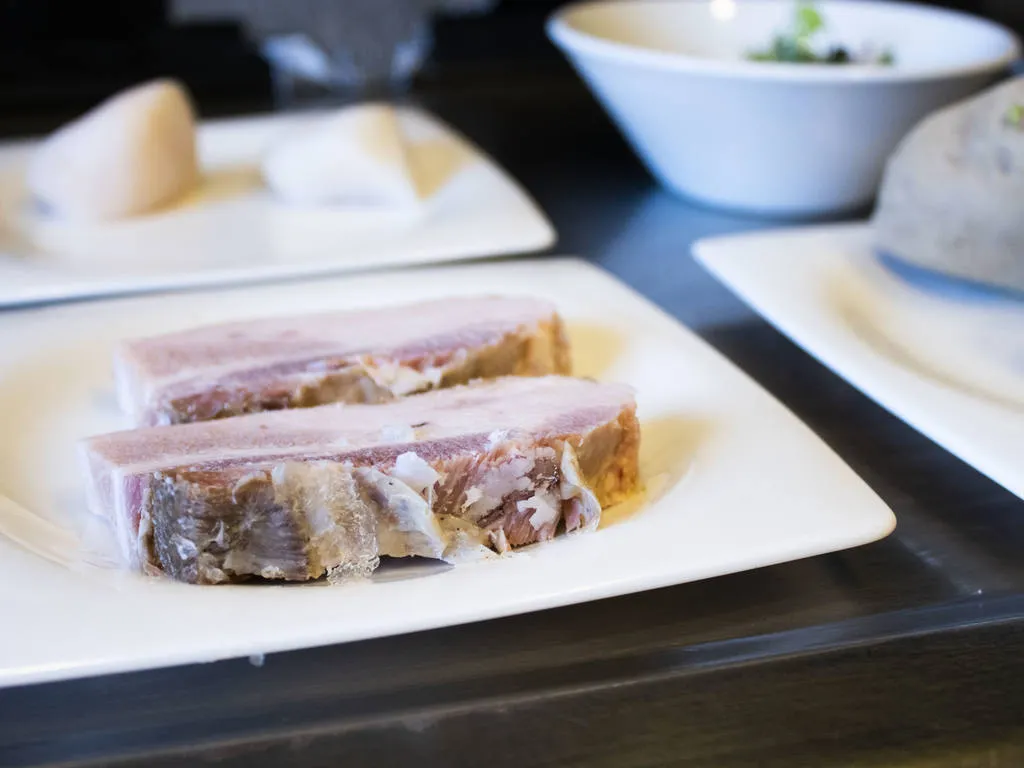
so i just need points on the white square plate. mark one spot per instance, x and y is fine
(734, 482)
(945, 357)
(232, 230)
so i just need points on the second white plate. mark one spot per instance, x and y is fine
(734, 481)
(233, 231)
(946, 358)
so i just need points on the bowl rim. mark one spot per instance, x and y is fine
(572, 40)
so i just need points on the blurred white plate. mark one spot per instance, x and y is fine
(733, 480)
(945, 357)
(232, 230)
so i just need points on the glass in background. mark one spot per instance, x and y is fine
(333, 47)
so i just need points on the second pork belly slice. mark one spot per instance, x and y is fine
(302, 493)
(366, 356)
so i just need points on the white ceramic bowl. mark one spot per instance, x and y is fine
(771, 138)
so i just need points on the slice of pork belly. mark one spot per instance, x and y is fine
(301, 493)
(367, 356)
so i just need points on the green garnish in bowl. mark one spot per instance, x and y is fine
(796, 46)
(1015, 116)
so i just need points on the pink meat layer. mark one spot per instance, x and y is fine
(359, 356)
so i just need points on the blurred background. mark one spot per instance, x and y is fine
(59, 57)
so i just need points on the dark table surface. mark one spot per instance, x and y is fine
(904, 652)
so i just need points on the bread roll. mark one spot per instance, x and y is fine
(952, 198)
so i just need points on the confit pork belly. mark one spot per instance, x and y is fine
(301, 493)
(367, 356)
